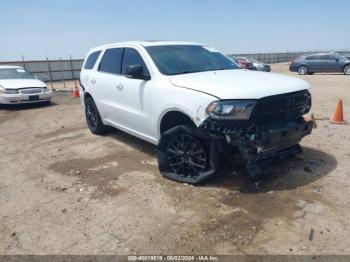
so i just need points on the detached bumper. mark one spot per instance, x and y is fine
(25, 98)
(258, 143)
(275, 141)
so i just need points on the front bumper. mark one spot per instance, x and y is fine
(259, 143)
(293, 68)
(274, 141)
(25, 98)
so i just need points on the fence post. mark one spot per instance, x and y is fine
(50, 72)
(23, 63)
(63, 80)
(71, 66)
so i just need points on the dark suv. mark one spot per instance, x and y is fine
(327, 62)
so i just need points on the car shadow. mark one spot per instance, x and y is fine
(16, 107)
(134, 142)
(337, 74)
(287, 174)
(278, 175)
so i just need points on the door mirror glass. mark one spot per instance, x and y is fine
(136, 71)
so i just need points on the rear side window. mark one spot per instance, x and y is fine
(314, 57)
(328, 57)
(111, 61)
(132, 57)
(91, 60)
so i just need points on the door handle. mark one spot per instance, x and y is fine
(93, 81)
(120, 86)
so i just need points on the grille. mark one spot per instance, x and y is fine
(29, 91)
(282, 108)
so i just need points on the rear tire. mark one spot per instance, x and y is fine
(346, 70)
(185, 155)
(93, 118)
(303, 70)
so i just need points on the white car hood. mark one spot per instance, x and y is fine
(21, 83)
(239, 84)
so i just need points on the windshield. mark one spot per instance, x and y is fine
(15, 73)
(184, 59)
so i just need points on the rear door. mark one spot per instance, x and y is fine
(106, 82)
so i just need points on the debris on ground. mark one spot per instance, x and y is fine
(311, 235)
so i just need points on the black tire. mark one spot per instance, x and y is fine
(303, 70)
(187, 155)
(310, 73)
(93, 118)
(346, 69)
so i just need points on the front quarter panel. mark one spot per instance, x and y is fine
(167, 97)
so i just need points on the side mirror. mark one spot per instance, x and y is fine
(136, 71)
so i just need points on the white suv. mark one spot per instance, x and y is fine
(197, 105)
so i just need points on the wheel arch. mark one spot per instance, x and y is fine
(86, 95)
(306, 65)
(173, 117)
(347, 64)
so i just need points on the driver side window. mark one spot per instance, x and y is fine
(132, 57)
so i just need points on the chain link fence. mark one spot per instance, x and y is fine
(51, 70)
(69, 69)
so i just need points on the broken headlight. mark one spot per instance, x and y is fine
(231, 109)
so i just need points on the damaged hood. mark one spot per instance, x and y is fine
(21, 83)
(239, 84)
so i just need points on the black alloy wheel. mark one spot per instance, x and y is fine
(93, 118)
(186, 155)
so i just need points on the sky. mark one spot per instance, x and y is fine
(38, 29)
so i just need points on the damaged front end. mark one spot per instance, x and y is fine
(273, 129)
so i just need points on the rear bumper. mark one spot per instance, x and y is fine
(266, 68)
(25, 98)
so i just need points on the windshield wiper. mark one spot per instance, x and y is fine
(185, 72)
(189, 72)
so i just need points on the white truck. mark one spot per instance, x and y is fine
(197, 105)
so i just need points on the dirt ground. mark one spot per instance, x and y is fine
(66, 191)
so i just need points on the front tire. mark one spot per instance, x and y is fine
(93, 118)
(346, 70)
(303, 70)
(185, 155)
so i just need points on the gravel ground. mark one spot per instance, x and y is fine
(66, 191)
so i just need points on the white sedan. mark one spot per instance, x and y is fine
(18, 86)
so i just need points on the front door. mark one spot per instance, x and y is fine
(331, 63)
(134, 95)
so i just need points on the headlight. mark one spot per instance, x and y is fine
(45, 89)
(11, 91)
(231, 109)
(2, 90)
